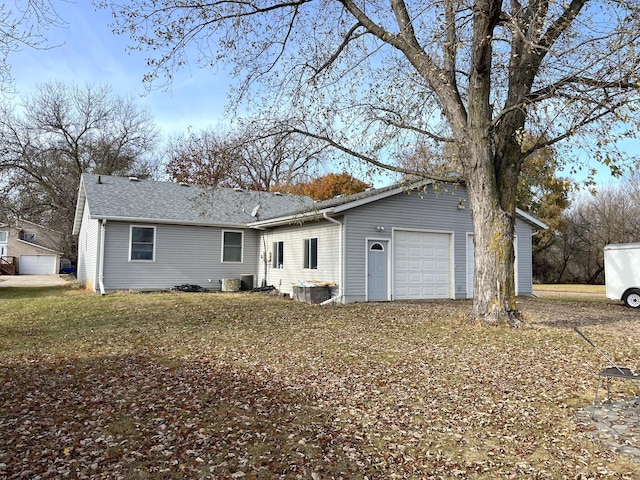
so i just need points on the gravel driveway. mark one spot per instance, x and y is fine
(34, 280)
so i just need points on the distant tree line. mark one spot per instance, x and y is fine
(573, 252)
(48, 139)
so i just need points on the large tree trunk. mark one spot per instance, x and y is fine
(493, 211)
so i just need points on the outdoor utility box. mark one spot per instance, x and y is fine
(311, 294)
(622, 272)
(246, 282)
(230, 284)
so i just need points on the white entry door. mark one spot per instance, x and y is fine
(3, 249)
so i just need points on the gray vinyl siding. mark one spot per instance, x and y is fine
(183, 255)
(293, 236)
(429, 211)
(525, 269)
(88, 242)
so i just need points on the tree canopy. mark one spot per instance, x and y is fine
(327, 186)
(248, 156)
(60, 132)
(23, 25)
(371, 78)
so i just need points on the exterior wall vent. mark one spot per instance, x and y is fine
(278, 194)
(134, 179)
(237, 189)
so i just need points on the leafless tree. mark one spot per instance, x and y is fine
(609, 215)
(24, 24)
(369, 77)
(57, 134)
(249, 156)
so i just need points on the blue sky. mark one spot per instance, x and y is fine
(88, 52)
(85, 51)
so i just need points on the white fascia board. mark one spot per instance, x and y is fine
(289, 219)
(380, 196)
(35, 245)
(531, 219)
(162, 221)
(80, 203)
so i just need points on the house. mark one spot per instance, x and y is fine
(27, 248)
(392, 243)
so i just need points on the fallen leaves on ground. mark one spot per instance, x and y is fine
(249, 387)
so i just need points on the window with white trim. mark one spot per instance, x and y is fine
(232, 246)
(310, 253)
(3, 237)
(142, 246)
(278, 255)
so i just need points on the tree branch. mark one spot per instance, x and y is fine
(345, 42)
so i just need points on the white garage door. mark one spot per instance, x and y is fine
(37, 265)
(421, 265)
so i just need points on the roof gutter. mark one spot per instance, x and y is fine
(295, 218)
(341, 269)
(103, 227)
(165, 221)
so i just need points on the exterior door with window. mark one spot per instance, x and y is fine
(377, 270)
(3, 243)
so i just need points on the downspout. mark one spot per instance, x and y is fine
(339, 298)
(103, 227)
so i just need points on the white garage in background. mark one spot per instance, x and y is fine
(38, 265)
(422, 265)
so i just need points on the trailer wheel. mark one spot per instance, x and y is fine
(631, 298)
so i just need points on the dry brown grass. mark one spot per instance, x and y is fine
(177, 385)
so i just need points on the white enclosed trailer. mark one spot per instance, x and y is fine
(622, 272)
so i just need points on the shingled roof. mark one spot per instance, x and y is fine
(132, 199)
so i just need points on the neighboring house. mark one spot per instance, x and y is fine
(27, 248)
(392, 243)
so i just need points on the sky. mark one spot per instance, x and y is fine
(85, 51)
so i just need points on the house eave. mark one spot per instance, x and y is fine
(531, 219)
(80, 203)
(164, 221)
(35, 245)
(292, 219)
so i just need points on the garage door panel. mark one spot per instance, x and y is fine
(421, 265)
(37, 265)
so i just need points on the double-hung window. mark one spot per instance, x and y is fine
(142, 244)
(231, 246)
(311, 253)
(278, 255)
(3, 237)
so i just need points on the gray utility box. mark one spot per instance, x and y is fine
(311, 294)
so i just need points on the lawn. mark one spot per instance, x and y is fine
(179, 385)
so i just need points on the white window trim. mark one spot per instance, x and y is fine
(131, 227)
(241, 232)
(6, 237)
(275, 261)
(306, 254)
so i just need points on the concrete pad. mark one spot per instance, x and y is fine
(35, 280)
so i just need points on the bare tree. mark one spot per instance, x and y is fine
(59, 133)
(609, 215)
(24, 24)
(371, 77)
(248, 157)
